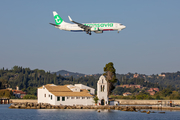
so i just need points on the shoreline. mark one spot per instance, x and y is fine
(108, 107)
(124, 105)
(121, 101)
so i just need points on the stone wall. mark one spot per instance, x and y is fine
(23, 101)
(147, 102)
(121, 102)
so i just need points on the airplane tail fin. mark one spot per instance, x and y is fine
(57, 18)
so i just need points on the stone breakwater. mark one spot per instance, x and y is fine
(48, 106)
(107, 107)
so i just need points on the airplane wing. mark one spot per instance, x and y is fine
(85, 27)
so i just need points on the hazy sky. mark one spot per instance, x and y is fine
(150, 44)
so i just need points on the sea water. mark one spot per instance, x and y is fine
(82, 114)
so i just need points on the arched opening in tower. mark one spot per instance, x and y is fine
(102, 102)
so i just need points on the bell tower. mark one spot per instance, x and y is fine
(102, 93)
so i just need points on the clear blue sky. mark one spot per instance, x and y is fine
(150, 44)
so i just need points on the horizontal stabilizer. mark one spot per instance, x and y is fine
(54, 24)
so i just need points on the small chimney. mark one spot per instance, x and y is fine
(17, 88)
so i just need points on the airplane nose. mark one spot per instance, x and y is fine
(123, 26)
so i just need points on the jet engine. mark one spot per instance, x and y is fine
(95, 29)
(98, 31)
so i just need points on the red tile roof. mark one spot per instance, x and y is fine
(18, 92)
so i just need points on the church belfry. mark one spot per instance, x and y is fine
(102, 90)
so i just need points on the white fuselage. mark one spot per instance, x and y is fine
(94, 27)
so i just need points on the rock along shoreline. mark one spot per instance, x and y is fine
(49, 106)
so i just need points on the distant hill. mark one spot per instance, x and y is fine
(66, 73)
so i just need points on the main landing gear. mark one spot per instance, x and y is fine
(88, 32)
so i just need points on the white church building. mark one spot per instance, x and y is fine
(77, 94)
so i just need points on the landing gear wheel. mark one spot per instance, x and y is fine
(89, 33)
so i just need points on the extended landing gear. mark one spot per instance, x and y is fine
(118, 31)
(88, 32)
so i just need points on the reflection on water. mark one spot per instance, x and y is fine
(81, 114)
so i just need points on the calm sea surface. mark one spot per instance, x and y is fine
(59, 114)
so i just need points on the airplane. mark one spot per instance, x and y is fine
(85, 27)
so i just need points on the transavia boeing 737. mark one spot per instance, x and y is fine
(86, 27)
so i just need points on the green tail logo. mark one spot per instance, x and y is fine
(58, 19)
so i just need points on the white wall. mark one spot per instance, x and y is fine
(114, 103)
(41, 96)
(81, 86)
(53, 101)
(75, 89)
(74, 101)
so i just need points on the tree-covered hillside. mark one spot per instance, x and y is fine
(28, 80)
(66, 73)
(166, 79)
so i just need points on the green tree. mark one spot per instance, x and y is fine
(110, 73)
(158, 97)
(96, 100)
(32, 90)
(8, 93)
(175, 96)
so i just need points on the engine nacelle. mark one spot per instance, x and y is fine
(98, 31)
(95, 29)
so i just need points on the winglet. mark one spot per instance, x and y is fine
(70, 18)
